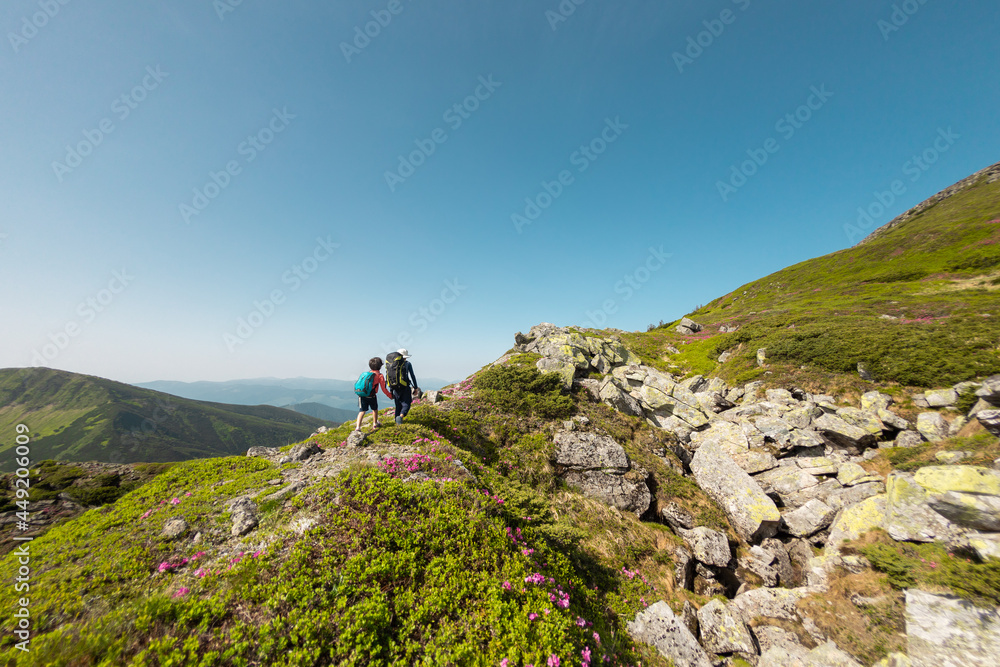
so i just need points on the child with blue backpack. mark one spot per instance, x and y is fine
(367, 388)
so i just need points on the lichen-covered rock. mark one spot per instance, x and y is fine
(174, 528)
(851, 474)
(946, 631)
(842, 433)
(708, 546)
(244, 515)
(909, 517)
(720, 431)
(566, 370)
(264, 452)
(751, 512)
(909, 439)
(942, 398)
(863, 419)
(657, 626)
(990, 390)
(932, 426)
(677, 517)
(613, 395)
(589, 451)
(721, 632)
(615, 490)
(972, 510)
(809, 519)
(875, 400)
(856, 520)
(963, 479)
(776, 603)
(356, 439)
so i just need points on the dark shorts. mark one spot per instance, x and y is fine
(367, 403)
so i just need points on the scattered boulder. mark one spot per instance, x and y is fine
(677, 517)
(990, 390)
(852, 522)
(566, 370)
(263, 452)
(356, 439)
(688, 326)
(909, 516)
(244, 515)
(433, 396)
(589, 451)
(303, 451)
(909, 439)
(842, 433)
(174, 528)
(941, 398)
(611, 394)
(809, 519)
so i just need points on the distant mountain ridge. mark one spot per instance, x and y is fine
(76, 417)
(279, 392)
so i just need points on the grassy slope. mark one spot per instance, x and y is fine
(938, 273)
(79, 417)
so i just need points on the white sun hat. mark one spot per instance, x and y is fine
(403, 351)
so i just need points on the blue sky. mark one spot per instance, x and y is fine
(168, 171)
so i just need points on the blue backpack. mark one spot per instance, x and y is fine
(365, 384)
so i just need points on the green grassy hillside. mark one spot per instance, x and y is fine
(82, 418)
(917, 303)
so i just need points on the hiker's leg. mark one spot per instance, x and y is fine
(361, 413)
(406, 399)
(397, 395)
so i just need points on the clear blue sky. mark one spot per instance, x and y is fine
(309, 128)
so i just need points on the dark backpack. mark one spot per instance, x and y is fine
(395, 373)
(365, 384)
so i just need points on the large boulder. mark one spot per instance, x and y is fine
(753, 515)
(616, 490)
(842, 433)
(565, 369)
(659, 627)
(709, 546)
(942, 398)
(990, 391)
(688, 326)
(946, 631)
(589, 451)
(809, 519)
(909, 516)
(855, 521)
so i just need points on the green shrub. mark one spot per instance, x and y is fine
(523, 391)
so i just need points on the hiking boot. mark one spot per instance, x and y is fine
(399, 420)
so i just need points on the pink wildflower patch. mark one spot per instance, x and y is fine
(181, 592)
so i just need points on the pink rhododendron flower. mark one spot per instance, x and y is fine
(586, 654)
(503, 663)
(553, 660)
(532, 616)
(175, 501)
(597, 638)
(506, 586)
(580, 622)
(181, 592)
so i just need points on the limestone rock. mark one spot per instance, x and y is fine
(589, 451)
(809, 519)
(945, 631)
(751, 512)
(658, 626)
(932, 426)
(721, 632)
